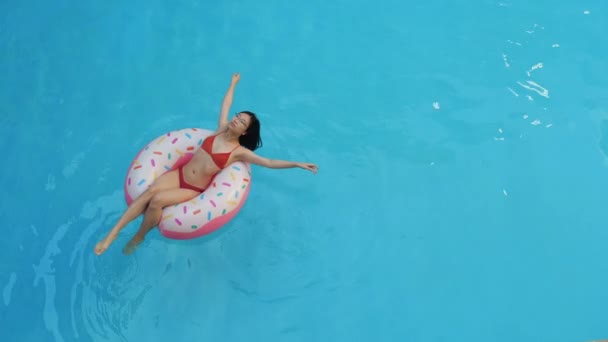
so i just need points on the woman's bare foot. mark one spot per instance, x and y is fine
(103, 245)
(132, 245)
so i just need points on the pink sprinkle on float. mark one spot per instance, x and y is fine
(174, 141)
(153, 162)
(129, 181)
(226, 184)
(185, 210)
(213, 203)
(179, 223)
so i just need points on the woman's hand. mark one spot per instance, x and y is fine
(308, 166)
(235, 78)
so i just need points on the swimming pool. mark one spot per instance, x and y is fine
(461, 193)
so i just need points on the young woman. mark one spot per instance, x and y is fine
(234, 140)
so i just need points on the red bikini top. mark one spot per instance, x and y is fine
(220, 159)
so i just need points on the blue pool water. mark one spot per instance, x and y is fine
(463, 153)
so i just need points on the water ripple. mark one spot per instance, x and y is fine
(8, 289)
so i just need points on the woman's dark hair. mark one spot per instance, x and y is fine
(251, 139)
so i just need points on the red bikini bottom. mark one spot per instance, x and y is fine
(184, 185)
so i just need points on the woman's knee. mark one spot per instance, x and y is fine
(156, 202)
(153, 190)
(167, 181)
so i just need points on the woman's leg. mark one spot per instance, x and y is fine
(154, 211)
(169, 180)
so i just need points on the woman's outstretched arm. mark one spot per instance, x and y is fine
(249, 156)
(227, 102)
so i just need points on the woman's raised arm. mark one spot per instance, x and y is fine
(227, 102)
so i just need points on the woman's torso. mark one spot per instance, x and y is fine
(203, 166)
